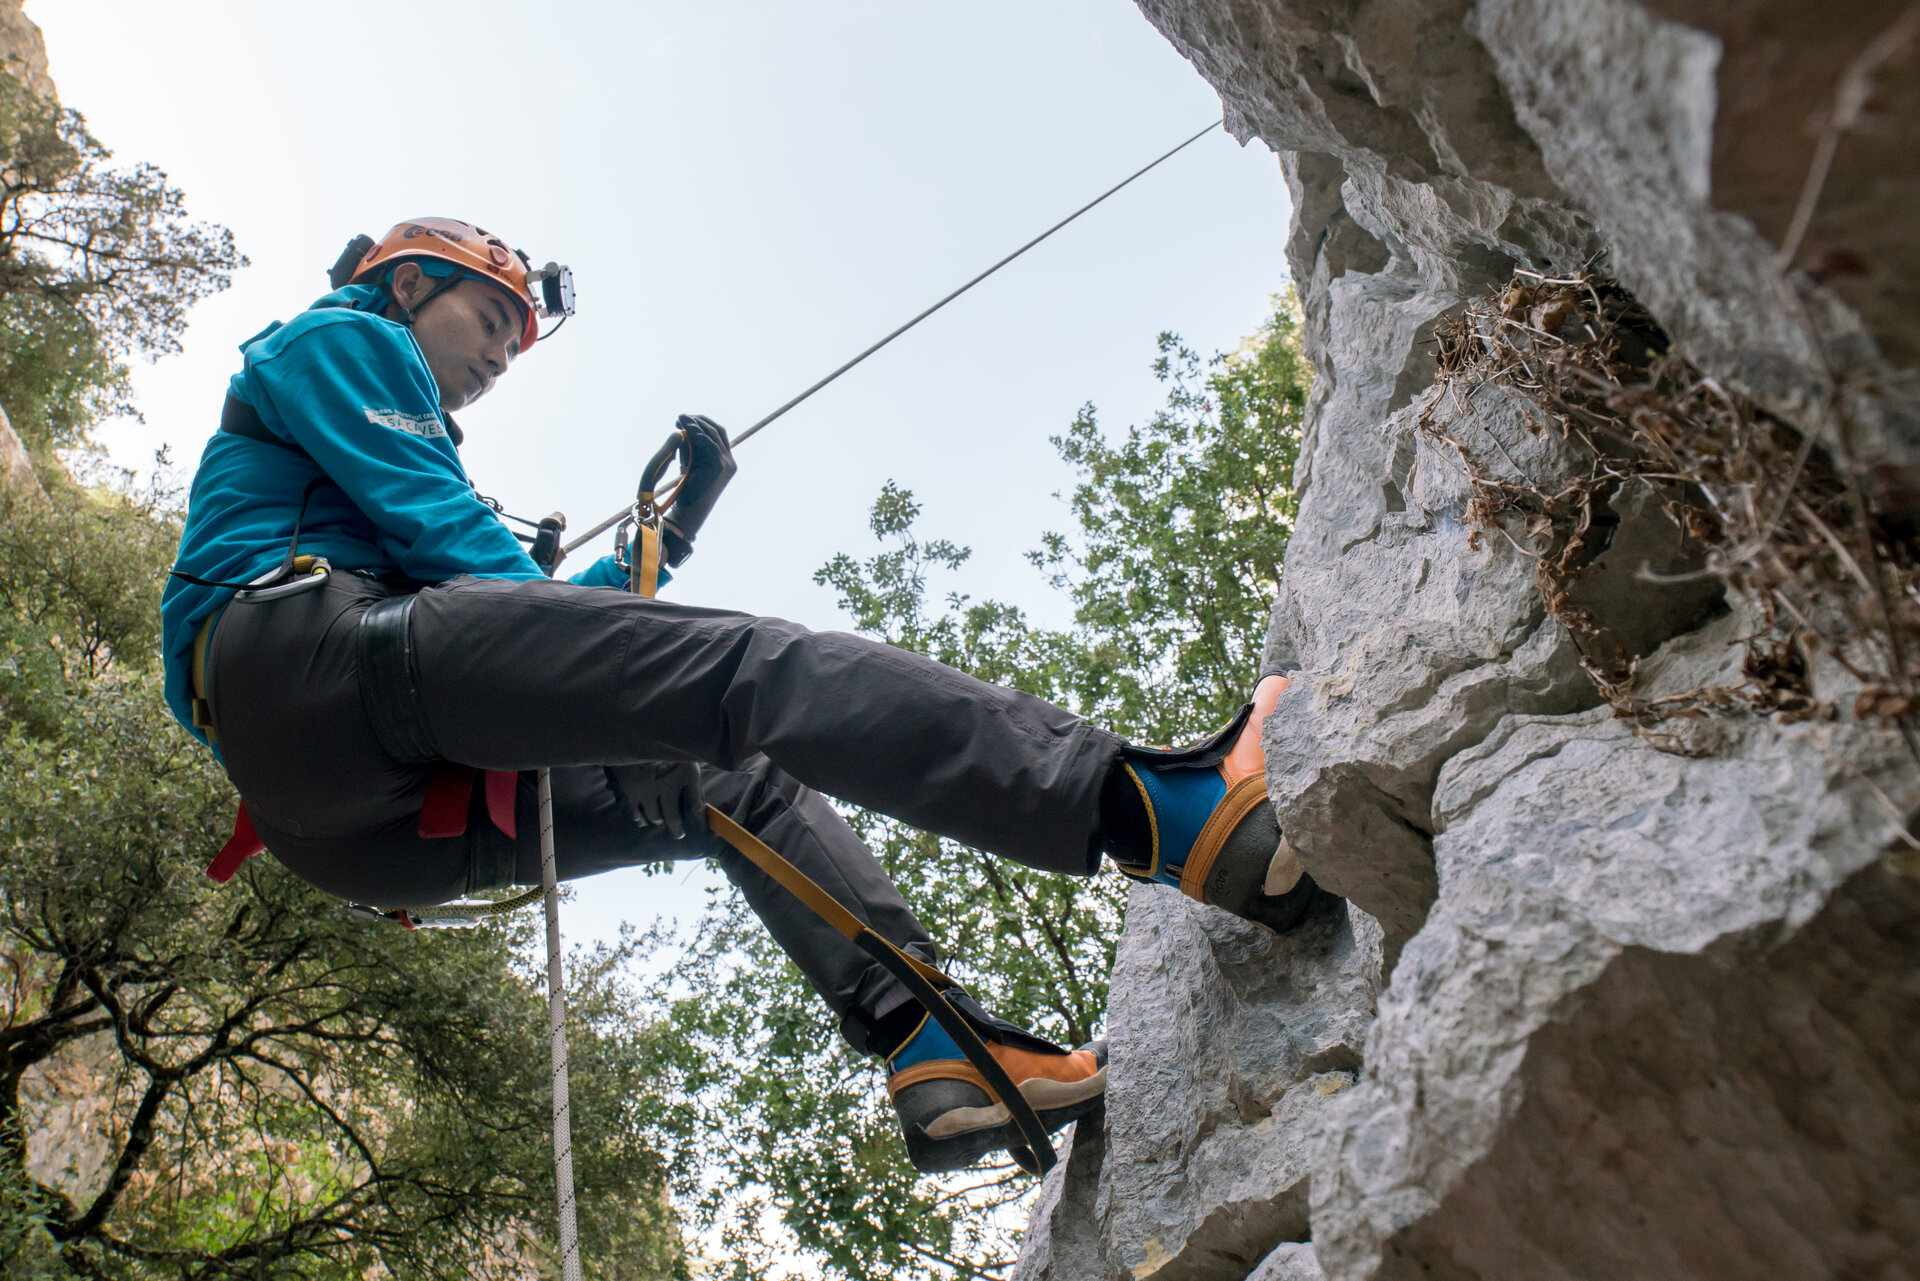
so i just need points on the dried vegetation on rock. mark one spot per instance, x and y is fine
(1750, 503)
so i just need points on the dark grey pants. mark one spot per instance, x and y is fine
(523, 675)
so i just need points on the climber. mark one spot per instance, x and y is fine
(398, 637)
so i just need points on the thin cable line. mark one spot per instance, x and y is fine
(1141, 172)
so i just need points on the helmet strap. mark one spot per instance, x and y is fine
(407, 314)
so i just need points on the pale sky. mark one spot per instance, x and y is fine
(748, 193)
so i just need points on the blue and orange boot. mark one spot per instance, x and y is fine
(949, 1116)
(1198, 818)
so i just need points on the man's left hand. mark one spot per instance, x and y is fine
(706, 456)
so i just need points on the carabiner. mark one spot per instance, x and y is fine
(644, 511)
(275, 584)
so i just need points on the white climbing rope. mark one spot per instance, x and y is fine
(557, 1032)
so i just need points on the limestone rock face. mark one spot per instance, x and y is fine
(24, 53)
(16, 464)
(1231, 1038)
(67, 1108)
(22, 49)
(1645, 1004)
(1294, 1261)
(1672, 1034)
(1063, 1240)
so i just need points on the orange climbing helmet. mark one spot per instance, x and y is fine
(540, 291)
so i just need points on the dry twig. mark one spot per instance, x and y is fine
(1778, 518)
(1850, 98)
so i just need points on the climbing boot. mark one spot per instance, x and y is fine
(951, 1119)
(1210, 829)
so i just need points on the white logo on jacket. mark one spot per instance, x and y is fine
(428, 425)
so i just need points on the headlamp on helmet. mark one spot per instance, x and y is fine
(473, 253)
(555, 285)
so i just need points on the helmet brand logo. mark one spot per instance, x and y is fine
(414, 231)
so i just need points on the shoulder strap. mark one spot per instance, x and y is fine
(238, 418)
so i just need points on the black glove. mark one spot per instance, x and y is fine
(707, 460)
(661, 792)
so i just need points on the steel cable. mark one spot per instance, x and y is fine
(621, 515)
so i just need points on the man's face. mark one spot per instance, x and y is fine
(469, 333)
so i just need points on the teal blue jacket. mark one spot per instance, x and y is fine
(352, 391)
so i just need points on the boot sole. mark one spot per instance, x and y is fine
(1041, 1095)
(951, 1124)
(1234, 873)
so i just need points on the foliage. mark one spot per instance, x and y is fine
(1181, 527)
(200, 1081)
(97, 263)
(286, 1088)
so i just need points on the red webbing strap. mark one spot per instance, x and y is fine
(501, 785)
(443, 812)
(241, 846)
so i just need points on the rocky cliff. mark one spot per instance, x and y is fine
(24, 53)
(22, 50)
(1602, 593)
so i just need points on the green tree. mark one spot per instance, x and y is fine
(289, 1091)
(1181, 526)
(271, 1087)
(98, 263)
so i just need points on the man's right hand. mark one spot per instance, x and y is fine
(661, 793)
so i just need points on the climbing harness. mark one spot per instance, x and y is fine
(292, 576)
(388, 684)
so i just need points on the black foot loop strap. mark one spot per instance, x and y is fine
(925, 982)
